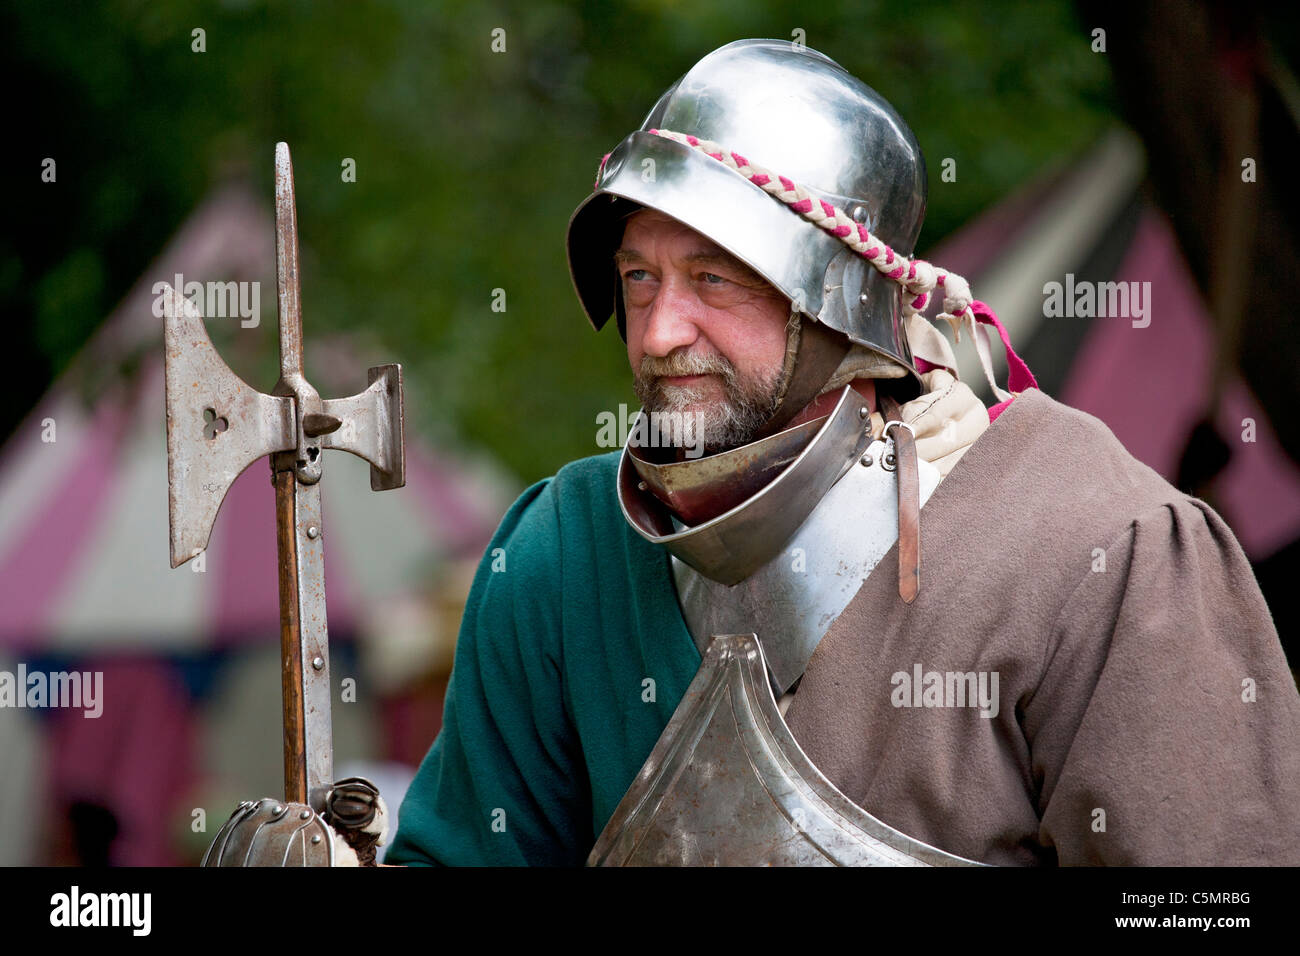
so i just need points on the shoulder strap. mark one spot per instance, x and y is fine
(909, 500)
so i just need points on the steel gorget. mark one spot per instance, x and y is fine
(760, 492)
(789, 554)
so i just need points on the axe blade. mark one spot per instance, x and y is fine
(217, 425)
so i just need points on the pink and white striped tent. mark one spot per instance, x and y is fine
(1148, 380)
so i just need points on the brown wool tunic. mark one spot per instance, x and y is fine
(1129, 637)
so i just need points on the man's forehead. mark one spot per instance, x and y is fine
(701, 246)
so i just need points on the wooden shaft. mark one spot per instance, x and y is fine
(291, 676)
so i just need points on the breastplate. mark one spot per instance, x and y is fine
(728, 785)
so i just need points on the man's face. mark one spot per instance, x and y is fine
(706, 335)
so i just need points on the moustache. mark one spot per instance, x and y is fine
(685, 363)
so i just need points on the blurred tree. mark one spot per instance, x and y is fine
(468, 163)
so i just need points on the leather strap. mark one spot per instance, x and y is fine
(909, 503)
(821, 350)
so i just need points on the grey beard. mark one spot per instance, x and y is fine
(724, 424)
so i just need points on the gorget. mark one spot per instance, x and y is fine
(751, 531)
(799, 572)
(792, 600)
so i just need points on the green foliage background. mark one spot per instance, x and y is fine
(468, 162)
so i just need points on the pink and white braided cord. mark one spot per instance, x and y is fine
(917, 277)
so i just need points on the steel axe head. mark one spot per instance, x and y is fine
(218, 425)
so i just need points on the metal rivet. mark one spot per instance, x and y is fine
(640, 486)
(316, 838)
(305, 815)
(863, 412)
(863, 298)
(318, 662)
(277, 809)
(859, 213)
(313, 532)
(866, 461)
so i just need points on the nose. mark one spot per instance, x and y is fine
(672, 319)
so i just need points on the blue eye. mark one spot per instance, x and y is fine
(709, 278)
(636, 275)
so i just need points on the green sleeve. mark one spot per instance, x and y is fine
(504, 783)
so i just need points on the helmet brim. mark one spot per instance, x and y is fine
(704, 195)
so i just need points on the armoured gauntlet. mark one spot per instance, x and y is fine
(269, 832)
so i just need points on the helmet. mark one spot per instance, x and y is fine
(802, 115)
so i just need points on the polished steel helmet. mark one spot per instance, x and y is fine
(802, 115)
